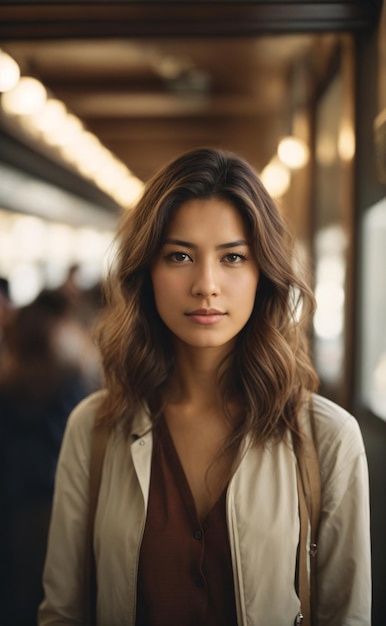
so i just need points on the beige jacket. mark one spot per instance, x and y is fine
(262, 517)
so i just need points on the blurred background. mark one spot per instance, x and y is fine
(94, 97)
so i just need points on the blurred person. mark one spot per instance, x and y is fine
(40, 382)
(86, 304)
(209, 403)
(70, 286)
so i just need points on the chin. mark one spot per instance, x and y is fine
(206, 343)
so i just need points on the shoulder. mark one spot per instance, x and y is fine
(333, 423)
(77, 436)
(339, 439)
(82, 417)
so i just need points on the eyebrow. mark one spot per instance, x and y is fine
(220, 246)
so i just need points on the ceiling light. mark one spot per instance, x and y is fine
(67, 132)
(50, 117)
(128, 191)
(9, 72)
(293, 152)
(27, 98)
(276, 178)
(83, 145)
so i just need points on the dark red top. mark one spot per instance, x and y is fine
(185, 570)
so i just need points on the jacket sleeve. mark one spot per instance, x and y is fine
(343, 559)
(63, 571)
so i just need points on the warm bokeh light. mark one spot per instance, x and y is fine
(346, 142)
(81, 148)
(276, 178)
(128, 191)
(328, 319)
(35, 254)
(25, 283)
(47, 120)
(27, 98)
(293, 152)
(67, 132)
(50, 117)
(9, 72)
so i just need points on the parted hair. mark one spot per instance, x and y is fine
(268, 374)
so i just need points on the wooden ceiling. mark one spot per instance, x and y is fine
(152, 79)
(149, 99)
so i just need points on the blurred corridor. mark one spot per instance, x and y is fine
(93, 99)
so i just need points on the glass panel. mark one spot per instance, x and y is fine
(373, 378)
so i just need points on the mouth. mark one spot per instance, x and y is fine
(206, 317)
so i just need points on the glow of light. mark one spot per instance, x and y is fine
(128, 191)
(29, 236)
(50, 117)
(25, 282)
(91, 166)
(293, 152)
(60, 244)
(67, 132)
(331, 268)
(328, 319)
(26, 98)
(9, 72)
(88, 276)
(55, 274)
(276, 178)
(89, 246)
(346, 142)
(111, 175)
(84, 147)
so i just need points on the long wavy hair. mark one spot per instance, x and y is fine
(268, 374)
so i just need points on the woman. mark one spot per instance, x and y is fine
(207, 395)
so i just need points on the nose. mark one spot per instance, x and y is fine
(206, 280)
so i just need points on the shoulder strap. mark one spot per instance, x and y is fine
(99, 438)
(309, 494)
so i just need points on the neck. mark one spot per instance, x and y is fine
(195, 378)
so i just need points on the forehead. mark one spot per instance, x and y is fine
(210, 216)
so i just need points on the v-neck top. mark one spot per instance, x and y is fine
(185, 570)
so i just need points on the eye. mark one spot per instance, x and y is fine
(178, 257)
(234, 258)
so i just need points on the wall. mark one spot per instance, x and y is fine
(370, 99)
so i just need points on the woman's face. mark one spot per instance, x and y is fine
(205, 276)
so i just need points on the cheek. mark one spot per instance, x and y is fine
(162, 281)
(167, 287)
(245, 286)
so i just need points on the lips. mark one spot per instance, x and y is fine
(206, 317)
(206, 312)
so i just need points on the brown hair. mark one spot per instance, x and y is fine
(269, 372)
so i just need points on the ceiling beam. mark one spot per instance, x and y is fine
(27, 20)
